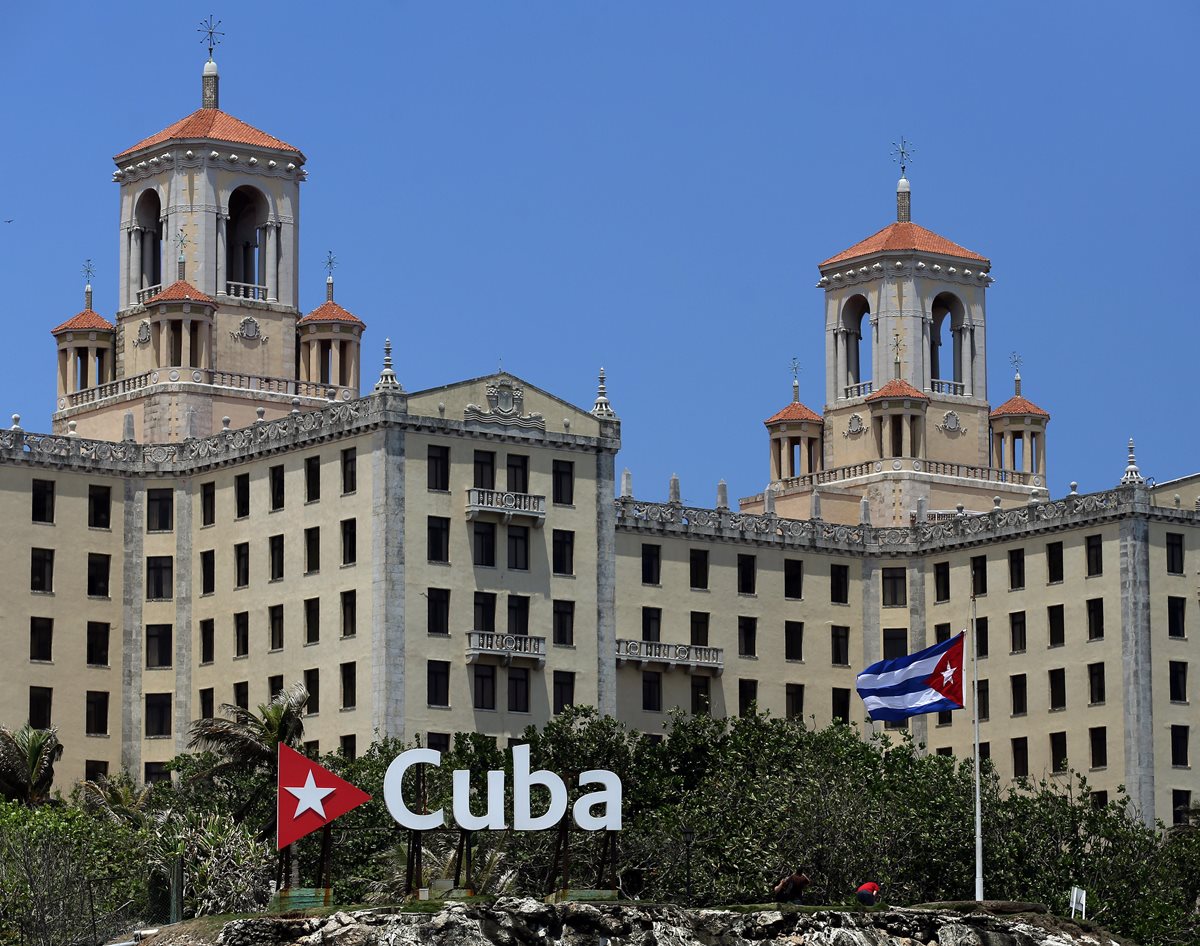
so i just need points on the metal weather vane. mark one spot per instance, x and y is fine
(795, 366)
(181, 241)
(902, 154)
(330, 263)
(88, 270)
(211, 34)
(1016, 361)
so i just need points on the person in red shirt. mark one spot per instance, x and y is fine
(868, 894)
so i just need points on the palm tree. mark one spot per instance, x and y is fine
(27, 759)
(118, 799)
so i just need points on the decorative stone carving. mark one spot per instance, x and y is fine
(143, 334)
(855, 427)
(505, 403)
(249, 329)
(951, 424)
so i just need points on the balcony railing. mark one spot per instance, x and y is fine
(862, 389)
(507, 647)
(245, 290)
(506, 504)
(947, 387)
(673, 655)
(223, 379)
(148, 293)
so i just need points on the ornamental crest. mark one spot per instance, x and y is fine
(248, 329)
(855, 427)
(505, 403)
(143, 333)
(951, 424)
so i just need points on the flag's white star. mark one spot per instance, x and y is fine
(948, 675)
(309, 797)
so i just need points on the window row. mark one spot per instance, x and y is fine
(1097, 750)
(484, 682)
(276, 626)
(516, 466)
(747, 571)
(484, 544)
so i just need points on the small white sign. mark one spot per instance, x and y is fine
(1079, 901)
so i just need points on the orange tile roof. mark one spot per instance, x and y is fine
(794, 411)
(1019, 405)
(904, 236)
(85, 321)
(330, 311)
(216, 125)
(897, 389)
(180, 291)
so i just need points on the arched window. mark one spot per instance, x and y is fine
(148, 219)
(856, 325)
(244, 244)
(947, 344)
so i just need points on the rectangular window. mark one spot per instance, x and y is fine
(979, 575)
(312, 479)
(518, 688)
(274, 685)
(651, 691)
(981, 637)
(1095, 618)
(1179, 746)
(349, 470)
(1177, 677)
(895, 642)
(241, 694)
(41, 570)
(485, 612)
(275, 485)
(895, 588)
(158, 645)
(438, 539)
(1181, 806)
(437, 682)
(747, 637)
(1016, 629)
(941, 581)
(517, 470)
(1099, 799)
(41, 639)
(518, 614)
(100, 507)
(651, 564)
(275, 554)
(1054, 562)
(1174, 553)
(1175, 617)
(698, 568)
(839, 654)
(1095, 683)
(43, 500)
(312, 620)
(564, 690)
(241, 634)
(699, 628)
(518, 548)
(437, 469)
(349, 685)
(793, 640)
(793, 578)
(747, 574)
(207, 640)
(1020, 757)
(701, 694)
(841, 705)
(160, 510)
(1095, 555)
(241, 496)
(564, 482)
(312, 550)
(483, 546)
(747, 697)
(941, 633)
(97, 644)
(1058, 689)
(1058, 751)
(651, 624)
(155, 772)
(208, 572)
(349, 613)
(985, 700)
(97, 575)
(438, 741)
(1098, 737)
(564, 552)
(275, 626)
(41, 707)
(208, 503)
(241, 565)
(1020, 694)
(1016, 569)
(158, 713)
(485, 469)
(484, 682)
(349, 541)
(348, 747)
(312, 683)
(207, 703)
(839, 584)
(1057, 625)
(160, 577)
(437, 611)
(564, 623)
(794, 701)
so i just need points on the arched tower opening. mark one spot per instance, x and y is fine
(948, 355)
(147, 240)
(856, 326)
(245, 248)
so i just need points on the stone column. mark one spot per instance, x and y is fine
(387, 583)
(314, 359)
(222, 221)
(775, 458)
(606, 584)
(135, 263)
(837, 365)
(1027, 451)
(93, 377)
(1137, 675)
(1041, 455)
(131, 648)
(271, 274)
(968, 361)
(185, 343)
(71, 371)
(906, 445)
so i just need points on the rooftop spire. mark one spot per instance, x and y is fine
(903, 153)
(1015, 360)
(1133, 476)
(602, 407)
(795, 366)
(330, 263)
(387, 377)
(209, 97)
(88, 272)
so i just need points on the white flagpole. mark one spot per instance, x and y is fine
(978, 803)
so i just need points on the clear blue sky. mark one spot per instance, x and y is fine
(649, 186)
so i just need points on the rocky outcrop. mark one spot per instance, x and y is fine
(514, 922)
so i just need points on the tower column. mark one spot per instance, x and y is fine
(185, 343)
(1026, 451)
(135, 258)
(222, 220)
(775, 448)
(271, 272)
(837, 366)
(93, 370)
(335, 362)
(70, 376)
(843, 372)
(1041, 456)
(905, 435)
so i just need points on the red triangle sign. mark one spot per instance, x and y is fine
(310, 796)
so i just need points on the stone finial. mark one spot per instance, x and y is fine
(1074, 489)
(87, 297)
(722, 495)
(387, 377)
(71, 431)
(864, 511)
(602, 407)
(626, 484)
(814, 511)
(995, 502)
(441, 408)
(1198, 504)
(673, 489)
(960, 510)
(922, 509)
(260, 414)
(1133, 476)
(225, 422)
(210, 86)
(768, 501)
(127, 428)
(903, 201)
(295, 405)
(16, 425)
(1178, 500)
(329, 288)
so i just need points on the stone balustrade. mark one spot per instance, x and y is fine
(224, 379)
(148, 293)
(853, 471)
(506, 503)
(246, 290)
(507, 647)
(862, 389)
(939, 386)
(687, 656)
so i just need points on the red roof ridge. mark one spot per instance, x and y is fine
(85, 321)
(794, 411)
(896, 237)
(180, 291)
(1017, 405)
(897, 388)
(214, 124)
(330, 311)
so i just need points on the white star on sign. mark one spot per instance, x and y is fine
(309, 797)
(947, 679)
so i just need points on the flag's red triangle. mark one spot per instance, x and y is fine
(947, 676)
(310, 796)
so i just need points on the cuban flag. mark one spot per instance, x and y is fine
(929, 681)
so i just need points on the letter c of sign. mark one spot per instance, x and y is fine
(393, 790)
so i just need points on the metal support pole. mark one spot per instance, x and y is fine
(978, 802)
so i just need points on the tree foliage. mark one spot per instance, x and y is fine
(27, 758)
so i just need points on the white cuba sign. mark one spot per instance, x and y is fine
(607, 798)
